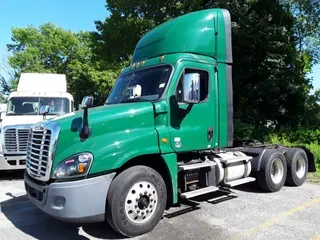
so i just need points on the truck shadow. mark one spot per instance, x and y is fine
(251, 187)
(33, 222)
(214, 198)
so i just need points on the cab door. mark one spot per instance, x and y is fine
(193, 121)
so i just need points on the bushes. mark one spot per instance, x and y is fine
(249, 131)
(313, 146)
(301, 135)
(286, 136)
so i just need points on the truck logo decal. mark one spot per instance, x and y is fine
(177, 141)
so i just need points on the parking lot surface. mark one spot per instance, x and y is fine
(243, 213)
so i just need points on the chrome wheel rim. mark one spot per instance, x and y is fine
(141, 202)
(300, 167)
(277, 170)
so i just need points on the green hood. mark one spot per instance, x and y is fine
(119, 133)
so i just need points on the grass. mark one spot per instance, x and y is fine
(314, 177)
(313, 147)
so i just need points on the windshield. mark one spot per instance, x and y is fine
(143, 85)
(32, 105)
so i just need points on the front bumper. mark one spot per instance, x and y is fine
(12, 162)
(79, 201)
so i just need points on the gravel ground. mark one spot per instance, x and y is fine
(246, 213)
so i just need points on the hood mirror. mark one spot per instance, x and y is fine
(87, 102)
(44, 110)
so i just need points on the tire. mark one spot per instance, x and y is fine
(297, 164)
(136, 201)
(273, 171)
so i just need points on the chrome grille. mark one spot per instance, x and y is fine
(38, 152)
(42, 142)
(16, 140)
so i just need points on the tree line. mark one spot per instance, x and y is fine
(275, 45)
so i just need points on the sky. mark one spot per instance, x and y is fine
(75, 15)
(72, 15)
(316, 77)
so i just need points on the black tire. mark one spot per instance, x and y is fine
(272, 158)
(297, 164)
(125, 187)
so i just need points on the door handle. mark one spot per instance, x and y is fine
(210, 134)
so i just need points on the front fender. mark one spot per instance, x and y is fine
(115, 149)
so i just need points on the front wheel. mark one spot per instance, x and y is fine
(136, 201)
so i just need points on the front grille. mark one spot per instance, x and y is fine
(16, 140)
(38, 152)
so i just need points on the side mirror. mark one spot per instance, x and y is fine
(191, 88)
(85, 132)
(134, 91)
(80, 107)
(87, 101)
(44, 109)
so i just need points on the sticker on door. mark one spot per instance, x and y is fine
(177, 142)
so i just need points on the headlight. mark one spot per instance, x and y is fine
(75, 166)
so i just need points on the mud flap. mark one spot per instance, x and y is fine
(311, 162)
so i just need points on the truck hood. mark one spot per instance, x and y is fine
(21, 120)
(119, 132)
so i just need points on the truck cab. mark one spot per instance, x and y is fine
(164, 134)
(23, 110)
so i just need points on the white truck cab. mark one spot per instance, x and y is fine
(23, 110)
(3, 109)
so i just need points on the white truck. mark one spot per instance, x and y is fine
(3, 108)
(23, 110)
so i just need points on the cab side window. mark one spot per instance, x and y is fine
(204, 85)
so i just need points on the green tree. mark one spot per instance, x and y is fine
(8, 79)
(55, 50)
(306, 15)
(269, 71)
(118, 35)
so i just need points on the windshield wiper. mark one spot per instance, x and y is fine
(14, 114)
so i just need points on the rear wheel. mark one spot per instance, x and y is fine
(136, 201)
(297, 162)
(273, 171)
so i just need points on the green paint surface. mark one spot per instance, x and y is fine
(171, 161)
(190, 33)
(121, 132)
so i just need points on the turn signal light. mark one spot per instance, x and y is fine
(81, 168)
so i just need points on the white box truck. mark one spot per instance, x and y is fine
(23, 110)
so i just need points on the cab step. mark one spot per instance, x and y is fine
(199, 192)
(239, 182)
(195, 166)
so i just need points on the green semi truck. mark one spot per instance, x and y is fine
(164, 134)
